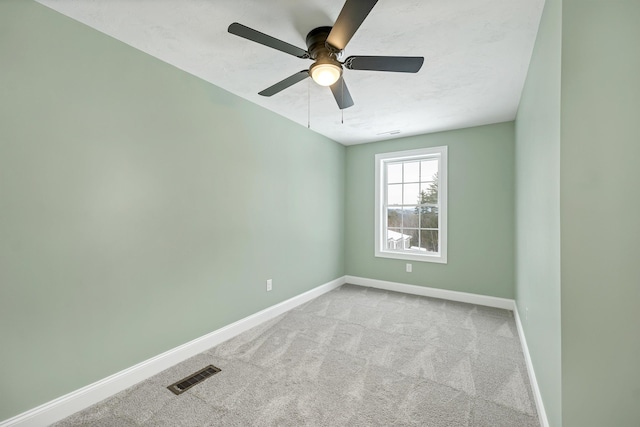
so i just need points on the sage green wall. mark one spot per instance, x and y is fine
(481, 212)
(538, 210)
(140, 207)
(600, 213)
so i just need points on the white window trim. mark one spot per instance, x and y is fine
(381, 218)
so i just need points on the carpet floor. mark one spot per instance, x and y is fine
(354, 356)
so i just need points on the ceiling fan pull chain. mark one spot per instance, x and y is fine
(342, 109)
(309, 105)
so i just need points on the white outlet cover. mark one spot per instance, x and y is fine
(409, 268)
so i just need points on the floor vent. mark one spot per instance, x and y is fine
(193, 379)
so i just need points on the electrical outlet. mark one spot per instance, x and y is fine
(269, 285)
(526, 313)
(409, 268)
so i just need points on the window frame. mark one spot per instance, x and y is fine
(381, 219)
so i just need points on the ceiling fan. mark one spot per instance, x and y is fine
(324, 47)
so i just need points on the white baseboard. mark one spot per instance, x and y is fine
(542, 414)
(504, 303)
(64, 406)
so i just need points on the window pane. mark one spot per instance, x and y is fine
(394, 173)
(394, 194)
(412, 172)
(395, 239)
(429, 192)
(410, 218)
(429, 168)
(400, 239)
(394, 218)
(414, 235)
(428, 217)
(429, 240)
(411, 193)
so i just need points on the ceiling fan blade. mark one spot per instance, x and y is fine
(283, 84)
(341, 94)
(351, 16)
(266, 40)
(400, 64)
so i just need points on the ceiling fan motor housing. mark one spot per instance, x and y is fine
(317, 46)
(317, 42)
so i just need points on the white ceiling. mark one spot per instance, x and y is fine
(476, 54)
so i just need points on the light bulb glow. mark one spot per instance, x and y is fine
(325, 74)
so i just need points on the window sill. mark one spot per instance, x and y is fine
(436, 258)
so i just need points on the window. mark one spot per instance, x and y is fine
(411, 205)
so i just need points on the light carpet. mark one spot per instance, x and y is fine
(355, 356)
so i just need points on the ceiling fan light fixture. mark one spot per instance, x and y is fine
(325, 73)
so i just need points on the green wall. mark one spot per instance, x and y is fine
(140, 207)
(600, 213)
(577, 146)
(481, 212)
(538, 210)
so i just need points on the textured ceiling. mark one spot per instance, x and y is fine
(476, 57)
